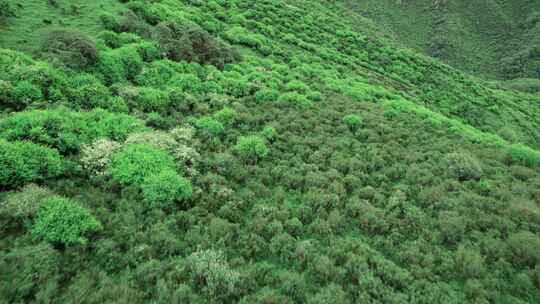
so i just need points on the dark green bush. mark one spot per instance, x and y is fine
(191, 43)
(6, 9)
(24, 162)
(63, 221)
(68, 47)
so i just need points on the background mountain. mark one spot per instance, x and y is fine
(237, 151)
(490, 38)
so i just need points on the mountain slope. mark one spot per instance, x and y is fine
(490, 38)
(258, 152)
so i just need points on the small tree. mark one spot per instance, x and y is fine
(352, 121)
(251, 148)
(162, 189)
(62, 221)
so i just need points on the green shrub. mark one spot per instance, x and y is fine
(209, 127)
(236, 86)
(463, 166)
(267, 95)
(524, 247)
(210, 273)
(269, 133)
(134, 163)
(62, 221)
(24, 204)
(226, 116)
(297, 86)
(24, 81)
(67, 130)
(524, 155)
(23, 162)
(241, 35)
(251, 148)
(87, 92)
(296, 99)
(95, 157)
(352, 121)
(164, 188)
(69, 48)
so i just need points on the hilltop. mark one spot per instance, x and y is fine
(255, 152)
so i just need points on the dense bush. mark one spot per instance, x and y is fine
(210, 272)
(95, 157)
(24, 162)
(209, 127)
(62, 221)
(22, 206)
(69, 47)
(352, 121)
(251, 148)
(191, 43)
(164, 188)
(463, 166)
(136, 162)
(67, 130)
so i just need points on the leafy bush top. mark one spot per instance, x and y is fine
(135, 162)
(63, 221)
(23, 162)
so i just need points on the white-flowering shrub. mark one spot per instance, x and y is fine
(96, 157)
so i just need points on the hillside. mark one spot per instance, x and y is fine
(490, 38)
(185, 151)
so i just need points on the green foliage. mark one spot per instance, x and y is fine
(269, 133)
(352, 121)
(6, 10)
(63, 221)
(23, 205)
(226, 116)
(69, 47)
(524, 246)
(295, 99)
(23, 162)
(164, 188)
(67, 130)
(463, 166)
(136, 162)
(251, 148)
(95, 157)
(210, 272)
(209, 127)
(191, 43)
